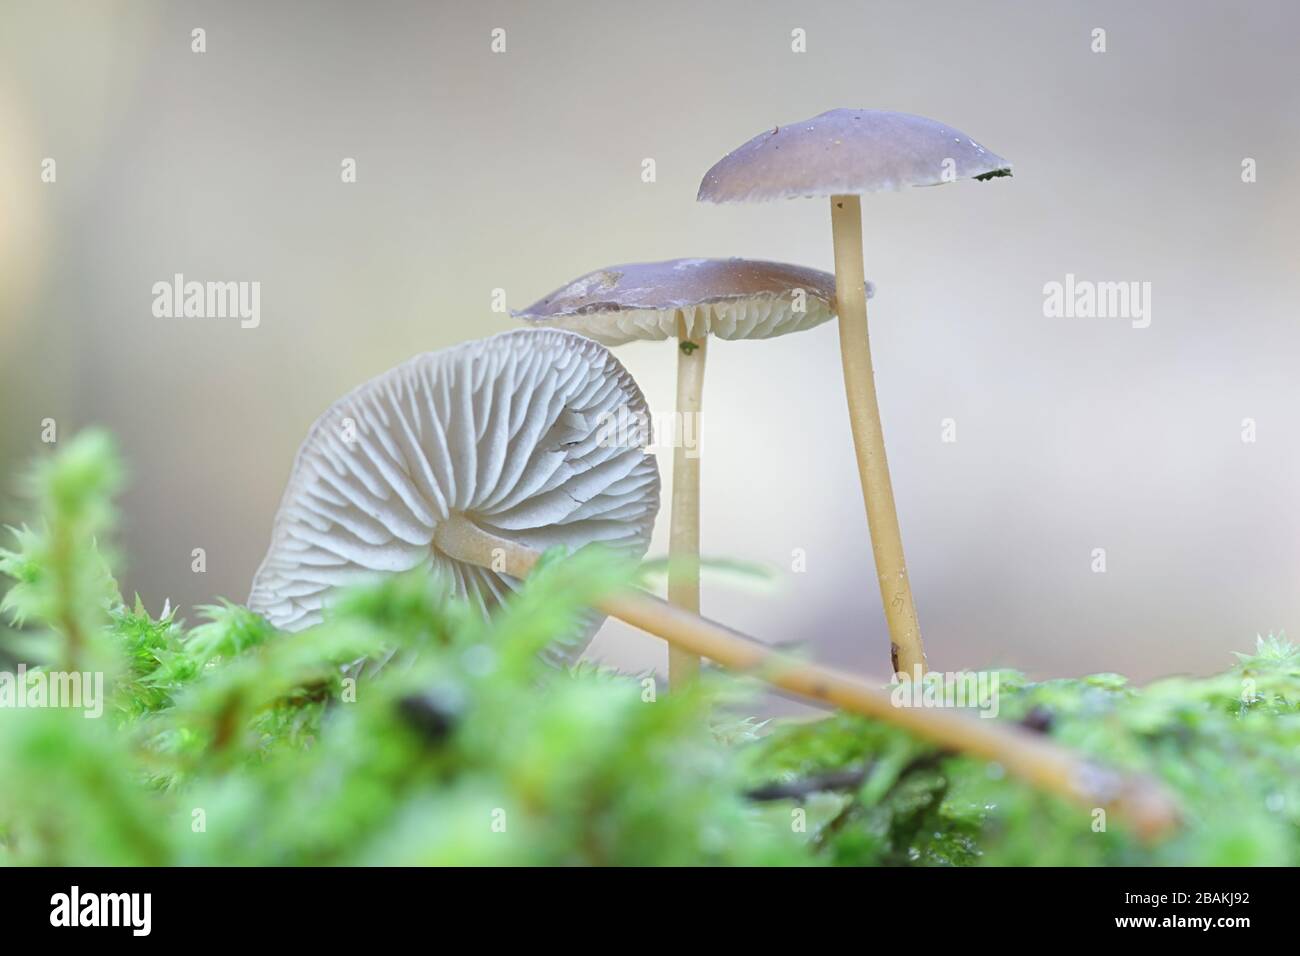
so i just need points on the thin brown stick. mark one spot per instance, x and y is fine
(1142, 801)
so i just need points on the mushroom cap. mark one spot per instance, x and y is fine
(848, 152)
(512, 432)
(727, 298)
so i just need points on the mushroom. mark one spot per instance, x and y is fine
(688, 299)
(844, 154)
(474, 459)
(504, 433)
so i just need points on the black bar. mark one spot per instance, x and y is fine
(212, 907)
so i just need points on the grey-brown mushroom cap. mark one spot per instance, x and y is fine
(537, 436)
(726, 298)
(848, 152)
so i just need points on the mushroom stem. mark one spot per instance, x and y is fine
(1142, 801)
(684, 529)
(906, 652)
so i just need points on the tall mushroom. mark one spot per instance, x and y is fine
(844, 154)
(474, 458)
(690, 300)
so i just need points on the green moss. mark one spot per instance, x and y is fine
(1229, 745)
(408, 729)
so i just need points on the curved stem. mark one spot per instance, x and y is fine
(1143, 802)
(906, 651)
(684, 528)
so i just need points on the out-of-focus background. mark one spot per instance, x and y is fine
(522, 169)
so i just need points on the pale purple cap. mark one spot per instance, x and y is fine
(848, 152)
(725, 298)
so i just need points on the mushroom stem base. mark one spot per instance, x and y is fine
(1140, 800)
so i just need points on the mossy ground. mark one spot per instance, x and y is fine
(407, 729)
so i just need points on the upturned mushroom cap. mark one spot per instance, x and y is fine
(726, 298)
(848, 152)
(519, 433)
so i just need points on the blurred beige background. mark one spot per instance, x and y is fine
(522, 170)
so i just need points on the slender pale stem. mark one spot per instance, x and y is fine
(1143, 802)
(906, 651)
(684, 529)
